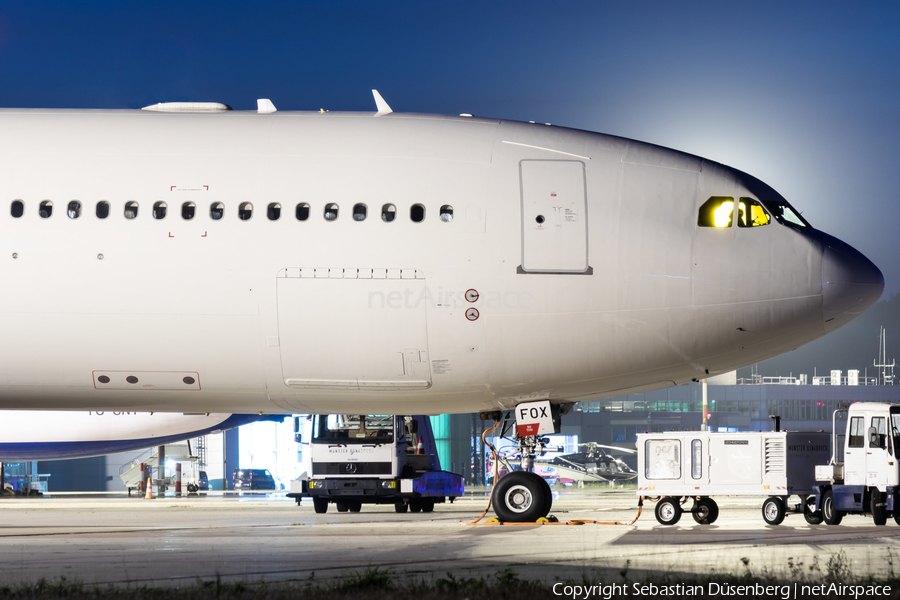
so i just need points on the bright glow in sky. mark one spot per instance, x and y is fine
(804, 94)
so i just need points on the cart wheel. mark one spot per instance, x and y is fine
(427, 505)
(668, 511)
(830, 514)
(400, 506)
(812, 516)
(879, 514)
(706, 512)
(519, 497)
(321, 505)
(773, 510)
(342, 506)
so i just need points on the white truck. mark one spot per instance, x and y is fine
(692, 466)
(863, 474)
(374, 459)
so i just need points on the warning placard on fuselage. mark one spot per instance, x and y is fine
(536, 418)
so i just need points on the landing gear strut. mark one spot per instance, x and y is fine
(522, 496)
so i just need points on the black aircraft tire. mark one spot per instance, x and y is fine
(320, 505)
(519, 497)
(830, 514)
(548, 498)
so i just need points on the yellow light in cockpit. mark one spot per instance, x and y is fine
(723, 214)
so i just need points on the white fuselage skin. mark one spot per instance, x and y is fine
(617, 290)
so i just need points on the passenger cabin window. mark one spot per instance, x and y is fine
(46, 209)
(388, 213)
(188, 210)
(17, 208)
(857, 435)
(131, 210)
(74, 209)
(273, 211)
(159, 210)
(359, 212)
(716, 212)
(446, 213)
(663, 459)
(331, 212)
(751, 213)
(102, 209)
(302, 211)
(245, 211)
(417, 213)
(216, 211)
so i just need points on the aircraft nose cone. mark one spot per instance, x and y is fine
(851, 283)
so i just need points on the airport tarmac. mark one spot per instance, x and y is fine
(267, 537)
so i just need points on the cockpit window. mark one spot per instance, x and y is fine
(716, 212)
(751, 213)
(785, 214)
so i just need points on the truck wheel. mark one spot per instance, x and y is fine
(321, 505)
(830, 514)
(354, 505)
(879, 514)
(773, 510)
(342, 506)
(415, 505)
(812, 516)
(706, 511)
(897, 517)
(427, 505)
(668, 511)
(519, 497)
(400, 506)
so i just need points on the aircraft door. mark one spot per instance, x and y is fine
(554, 216)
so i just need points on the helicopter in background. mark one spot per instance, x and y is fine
(594, 464)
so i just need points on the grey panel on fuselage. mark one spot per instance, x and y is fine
(353, 333)
(554, 216)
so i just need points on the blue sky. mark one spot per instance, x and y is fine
(803, 94)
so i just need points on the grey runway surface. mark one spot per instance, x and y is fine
(267, 537)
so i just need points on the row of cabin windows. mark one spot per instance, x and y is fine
(245, 211)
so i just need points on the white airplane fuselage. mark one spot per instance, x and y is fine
(573, 266)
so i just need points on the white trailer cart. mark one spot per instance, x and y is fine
(692, 466)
